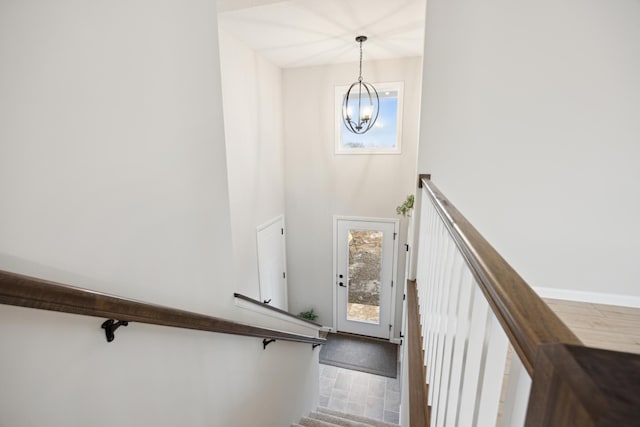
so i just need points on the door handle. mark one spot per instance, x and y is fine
(342, 284)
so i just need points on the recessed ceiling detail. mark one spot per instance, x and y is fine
(300, 33)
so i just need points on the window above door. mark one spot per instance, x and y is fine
(386, 134)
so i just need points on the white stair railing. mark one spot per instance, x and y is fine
(468, 318)
(465, 346)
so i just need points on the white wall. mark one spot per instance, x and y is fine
(112, 157)
(252, 100)
(58, 370)
(113, 177)
(531, 126)
(320, 184)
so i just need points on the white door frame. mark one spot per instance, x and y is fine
(284, 257)
(394, 272)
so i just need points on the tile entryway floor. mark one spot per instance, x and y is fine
(360, 393)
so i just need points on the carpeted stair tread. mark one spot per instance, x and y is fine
(325, 417)
(311, 422)
(339, 421)
(364, 420)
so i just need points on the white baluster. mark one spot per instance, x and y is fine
(423, 254)
(437, 298)
(460, 345)
(426, 260)
(488, 395)
(432, 294)
(449, 252)
(516, 400)
(473, 364)
(443, 370)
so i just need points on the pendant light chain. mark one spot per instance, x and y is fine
(360, 75)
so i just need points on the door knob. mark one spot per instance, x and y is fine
(342, 284)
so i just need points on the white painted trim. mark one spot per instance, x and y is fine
(284, 263)
(395, 341)
(271, 222)
(261, 310)
(394, 278)
(364, 219)
(586, 296)
(334, 280)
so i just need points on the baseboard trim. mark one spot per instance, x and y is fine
(265, 311)
(592, 297)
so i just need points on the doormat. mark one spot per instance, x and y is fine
(361, 354)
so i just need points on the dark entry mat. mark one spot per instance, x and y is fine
(361, 354)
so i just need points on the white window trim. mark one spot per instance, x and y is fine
(380, 87)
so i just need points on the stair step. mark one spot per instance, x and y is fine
(355, 418)
(325, 417)
(334, 420)
(311, 422)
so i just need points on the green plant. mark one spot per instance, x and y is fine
(405, 207)
(308, 315)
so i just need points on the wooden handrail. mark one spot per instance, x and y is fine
(586, 387)
(25, 291)
(527, 320)
(274, 309)
(419, 415)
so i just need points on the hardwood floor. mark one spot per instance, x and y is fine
(597, 325)
(603, 326)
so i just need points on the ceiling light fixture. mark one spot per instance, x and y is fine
(361, 98)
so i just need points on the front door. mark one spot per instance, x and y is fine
(365, 253)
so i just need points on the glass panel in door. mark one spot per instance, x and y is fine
(365, 275)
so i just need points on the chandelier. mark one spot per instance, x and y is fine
(361, 99)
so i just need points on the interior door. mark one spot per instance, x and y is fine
(272, 263)
(365, 253)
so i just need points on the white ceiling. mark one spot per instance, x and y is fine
(299, 33)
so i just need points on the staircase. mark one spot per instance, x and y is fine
(324, 417)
